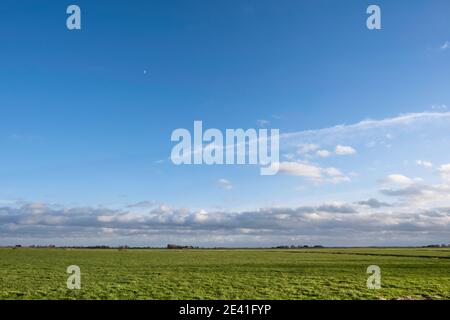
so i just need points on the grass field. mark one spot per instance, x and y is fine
(224, 274)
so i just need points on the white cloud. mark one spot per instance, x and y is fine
(445, 45)
(108, 231)
(289, 156)
(332, 172)
(335, 175)
(225, 184)
(339, 131)
(444, 170)
(422, 194)
(439, 107)
(414, 191)
(398, 179)
(323, 153)
(344, 150)
(306, 148)
(425, 164)
(300, 169)
(262, 123)
(143, 204)
(312, 172)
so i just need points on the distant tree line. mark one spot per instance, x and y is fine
(297, 247)
(438, 246)
(175, 246)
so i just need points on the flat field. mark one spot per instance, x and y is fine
(225, 274)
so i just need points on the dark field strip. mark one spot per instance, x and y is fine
(381, 254)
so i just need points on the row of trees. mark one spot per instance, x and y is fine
(297, 247)
(438, 246)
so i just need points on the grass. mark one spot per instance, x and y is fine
(224, 274)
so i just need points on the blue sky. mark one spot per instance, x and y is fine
(87, 117)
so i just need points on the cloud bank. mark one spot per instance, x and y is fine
(405, 210)
(369, 222)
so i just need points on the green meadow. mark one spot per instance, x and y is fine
(411, 273)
